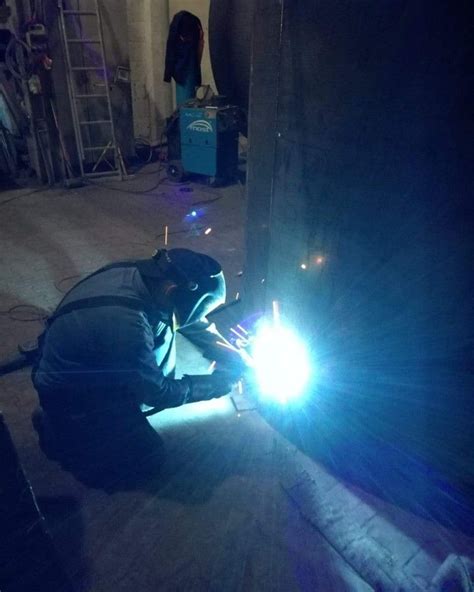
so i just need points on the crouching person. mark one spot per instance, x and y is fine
(109, 352)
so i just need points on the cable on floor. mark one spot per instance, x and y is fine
(25, 313)
(6, 201)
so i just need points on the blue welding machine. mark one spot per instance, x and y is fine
(204, 142)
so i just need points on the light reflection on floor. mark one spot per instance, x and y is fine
(192, 413)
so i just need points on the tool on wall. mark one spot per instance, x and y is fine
(88, 87)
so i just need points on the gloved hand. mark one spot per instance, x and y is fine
(234, 367)
(229, 362)
(208, 386)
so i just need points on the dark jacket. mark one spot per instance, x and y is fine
(182, 56)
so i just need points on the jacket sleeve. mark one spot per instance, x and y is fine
(149, 384)
(205, 336)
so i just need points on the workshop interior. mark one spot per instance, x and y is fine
(236, 296)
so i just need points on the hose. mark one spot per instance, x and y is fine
(11, 59)
(13, 363)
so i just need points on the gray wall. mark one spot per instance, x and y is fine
(148, 24)
(115, 28)
(360, 153)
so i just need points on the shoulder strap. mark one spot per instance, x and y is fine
(90, 275)
(98, 301)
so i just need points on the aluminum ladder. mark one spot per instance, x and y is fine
(81, 32)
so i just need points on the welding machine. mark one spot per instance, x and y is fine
(203, 139)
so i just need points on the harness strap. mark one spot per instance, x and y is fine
(116, 265)
(98, 301)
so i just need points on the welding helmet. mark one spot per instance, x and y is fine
(200, 283)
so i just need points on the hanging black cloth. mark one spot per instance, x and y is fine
(182, 48)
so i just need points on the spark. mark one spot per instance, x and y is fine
(208, 230)
(319, 260)
(194, 213)
(239, 335)
(226, 340)
(227, 346)
(237, 294)
(166, 236)
(240, 387)
(276, 312)
(303, 266)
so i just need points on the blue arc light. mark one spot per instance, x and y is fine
(281, 363)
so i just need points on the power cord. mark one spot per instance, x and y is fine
(25, 313)
(58, 284)
(207, 201)
(128, 191)
(6, 201)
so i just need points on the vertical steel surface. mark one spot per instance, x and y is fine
(360, 209)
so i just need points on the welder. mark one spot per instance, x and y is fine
(107, 357)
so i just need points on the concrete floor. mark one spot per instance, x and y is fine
(236, 506)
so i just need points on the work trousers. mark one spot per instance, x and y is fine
(101, 428)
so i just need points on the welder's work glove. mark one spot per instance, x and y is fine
(230, 362)
(208, 386)
(234, 367)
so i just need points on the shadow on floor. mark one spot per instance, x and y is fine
(354, 453)
(186, 468)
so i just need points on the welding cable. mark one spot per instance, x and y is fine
(58, 284)
(25, 313)
(13, 363)
(6, 201)
(140, 143)
(11, 59)
(160, 146)
(203, 202)
(26, 355)
(145, 173)
(129, 191)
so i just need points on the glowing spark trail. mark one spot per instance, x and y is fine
(239, 335)
(227, 346)
(276, 312)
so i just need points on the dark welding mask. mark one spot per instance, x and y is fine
(200, 283)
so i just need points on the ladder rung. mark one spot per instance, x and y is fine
(91, 148)
(83, 41)
(97, 121)
(95, 96)
(87, 68)
(81, 12)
